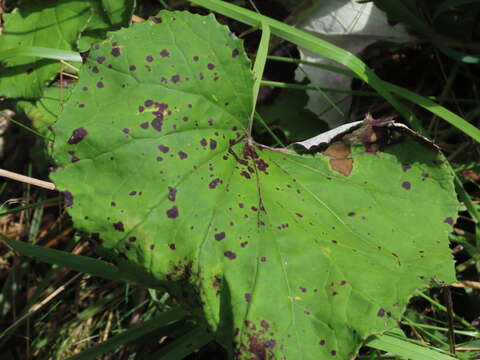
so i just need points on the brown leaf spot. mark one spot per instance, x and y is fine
(339, 160)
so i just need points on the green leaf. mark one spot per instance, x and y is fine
(287, 255)
(44, 112)
(52, 24)
(107, 15)
(119, 11)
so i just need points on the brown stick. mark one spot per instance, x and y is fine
(27, 179)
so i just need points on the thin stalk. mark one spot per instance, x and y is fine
(27, 179)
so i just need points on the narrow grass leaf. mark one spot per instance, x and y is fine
(41, 52)
(143, 330)
(183, 346)
(305, 40)
(79, 263)
(402, 347)
(259, 66)
(436, 109)
(31, 206)
(333, 52)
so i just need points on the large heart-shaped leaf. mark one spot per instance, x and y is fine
(290, 256)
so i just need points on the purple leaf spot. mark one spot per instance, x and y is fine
(182, 155)
(333, 352)
(144, 125)
(351, 213)
(245, 174)
(164, 53)
(132, 68)
(157, 123)
(132, 239)
(195, 58)
(263, 259)
(81, 106)
(164, 149)
(85, 88)
(203, 142)
(302, 289)
(213, 184)
(126, 130)
(115, 51)
(175, 78)
(172, 213)
(159, 158)
(406, 185)
(113, 203)
(172, 246)
(185, 118)
(406, 167)
(100, 59)
(100, 84)
(172, 193)
(213, 144)
(220, 236)
(210, 66)
(132, 193)
(448, 221)
(381, 313)
(119, 226)
(95, 70)
(156, 20)
(77, 136)
(322, 342)
(149, 58)
(230, 255)
(235, 52)
(141, 108)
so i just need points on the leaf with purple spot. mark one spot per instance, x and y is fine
(301, 246)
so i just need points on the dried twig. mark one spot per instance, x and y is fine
(27, 179)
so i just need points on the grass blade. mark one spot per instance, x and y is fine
(259, 66)
(31, 206)
(42, 52)
(150, 326)
(436, 109)
(183, 346)
(346, 58)
(79, 263)
(403, 347)
(305, 40)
